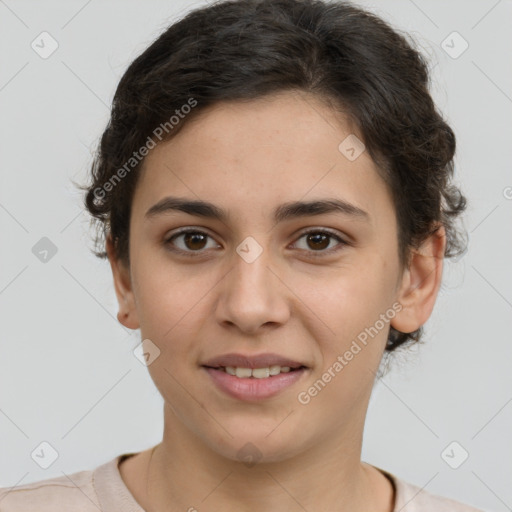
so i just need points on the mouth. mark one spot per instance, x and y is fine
(253, 378)
(256, 373)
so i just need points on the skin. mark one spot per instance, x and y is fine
(250, 157)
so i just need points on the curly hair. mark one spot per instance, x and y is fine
(246, 49)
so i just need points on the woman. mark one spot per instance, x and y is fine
(273, 195)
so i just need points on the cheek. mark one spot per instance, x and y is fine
(351, 305)
(352, 308)
(169, 302)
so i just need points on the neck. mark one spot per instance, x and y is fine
(184, 474)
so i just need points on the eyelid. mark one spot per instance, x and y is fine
(342, 241)
(182, 231)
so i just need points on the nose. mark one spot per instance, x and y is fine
(252, 295)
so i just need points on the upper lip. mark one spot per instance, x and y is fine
(251, 361)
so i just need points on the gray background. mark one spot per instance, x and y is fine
(67, 372)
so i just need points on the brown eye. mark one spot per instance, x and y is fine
(192, 241)
(317, 241)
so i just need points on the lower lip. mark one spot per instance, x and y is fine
(253, 389)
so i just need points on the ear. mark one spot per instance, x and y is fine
(127, 314)
(420, 283)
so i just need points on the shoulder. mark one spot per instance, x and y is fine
(73, 492)
(98, 489)
(411, 498)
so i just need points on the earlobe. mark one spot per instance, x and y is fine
(127, 314)
(421, 283)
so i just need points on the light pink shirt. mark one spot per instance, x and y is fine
(103, 489)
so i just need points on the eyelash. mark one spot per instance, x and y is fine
(314, 254)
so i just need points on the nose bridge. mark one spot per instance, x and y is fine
(251, 268)
(250, 295)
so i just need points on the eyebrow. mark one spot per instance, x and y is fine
(283, 212)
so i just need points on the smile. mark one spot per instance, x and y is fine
(254, 384)
(257, 373)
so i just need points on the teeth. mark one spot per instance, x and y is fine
(275, 369)
(261, 373)
(257, 373)
(243, 372)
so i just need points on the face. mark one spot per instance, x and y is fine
(313, 289)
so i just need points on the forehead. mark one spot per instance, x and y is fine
(262, 152)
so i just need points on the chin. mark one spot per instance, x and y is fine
(255, 444)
